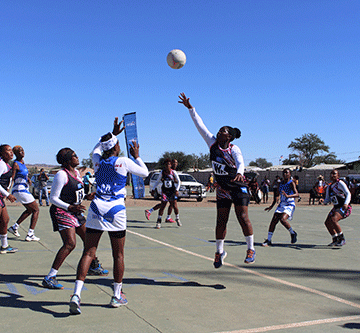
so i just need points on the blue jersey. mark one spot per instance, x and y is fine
(21, 176)
(288, 189)
(109, 182)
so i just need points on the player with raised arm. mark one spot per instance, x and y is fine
(228, 166)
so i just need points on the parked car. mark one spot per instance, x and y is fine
(34, 187)
(189, 188)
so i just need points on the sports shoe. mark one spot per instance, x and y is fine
(334, 241)
(14, 231)
(116, 302)
(97, 269)
(170, 220)
(51, 283)
(219, 259)
(8, 249)
(293, 238)
(158, 225)
(75, 304)
(341, 241)
(178, 222)
(250, 257)
(32, 238)
(147, 214)
(267, 243)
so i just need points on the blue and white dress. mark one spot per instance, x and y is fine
(286, 205)
(21, 188)
(107, 211)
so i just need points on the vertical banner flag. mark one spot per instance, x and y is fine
(130, 136)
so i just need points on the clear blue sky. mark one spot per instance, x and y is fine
(274, 69)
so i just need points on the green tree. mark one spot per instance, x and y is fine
(308, 151)
(185, 161)
(261, 163)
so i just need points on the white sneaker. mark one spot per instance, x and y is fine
(14, 231)
(178, 222)
(32, 238)
(158, 226)
(75, 304)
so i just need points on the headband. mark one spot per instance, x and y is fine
(107, 145)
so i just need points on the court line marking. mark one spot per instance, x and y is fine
(248, 270)
(295, 325)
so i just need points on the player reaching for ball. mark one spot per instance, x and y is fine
(107, 211)
(228, 166)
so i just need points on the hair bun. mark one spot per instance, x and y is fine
(237, 133)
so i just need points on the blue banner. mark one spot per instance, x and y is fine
(130, 136)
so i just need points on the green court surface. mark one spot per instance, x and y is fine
(171, 284)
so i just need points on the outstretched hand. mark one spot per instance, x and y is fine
(117, 126)
(184, 100)
(134, 149)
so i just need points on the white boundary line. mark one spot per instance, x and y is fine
(290, 284)
(295, 325)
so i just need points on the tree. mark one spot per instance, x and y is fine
(307, 151)
(261, 163)
(87, 162)
(185, 161)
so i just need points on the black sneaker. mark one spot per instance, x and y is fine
(334, 241)
(293, 238)
(266, 243)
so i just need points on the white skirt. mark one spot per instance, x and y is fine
(287, 208)
(24, 197)
(107, 215)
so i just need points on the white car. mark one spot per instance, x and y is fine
(189, 188)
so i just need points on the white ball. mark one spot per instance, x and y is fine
(176, 59)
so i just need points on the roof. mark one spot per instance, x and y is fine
(326, 166)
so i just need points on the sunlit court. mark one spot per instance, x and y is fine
(172, 286)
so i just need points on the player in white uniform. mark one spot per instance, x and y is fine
(107, 211)
(6, 155)
(339, 195)
(228, 166)
(285, 209)
(21, 192)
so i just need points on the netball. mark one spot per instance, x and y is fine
(176, 59)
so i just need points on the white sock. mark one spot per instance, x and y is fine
(250, 242)
(4, 242)
(53, 272)
(16, 226)
(78, 287)
(151, 210)
(291, 231)
(168, 217)
(219, 245)
(177, 217)
(31, 232)
(270, 234)
(117, 289)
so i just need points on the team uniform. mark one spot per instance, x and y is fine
(226, 163)
(107, 211)
(339, 195)
(21, 188)
(170, 185)
(5, 178)
(66, 190)
(286, 205)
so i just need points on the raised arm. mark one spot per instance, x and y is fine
(202, 129)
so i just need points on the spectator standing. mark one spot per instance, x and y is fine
(43, 179)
